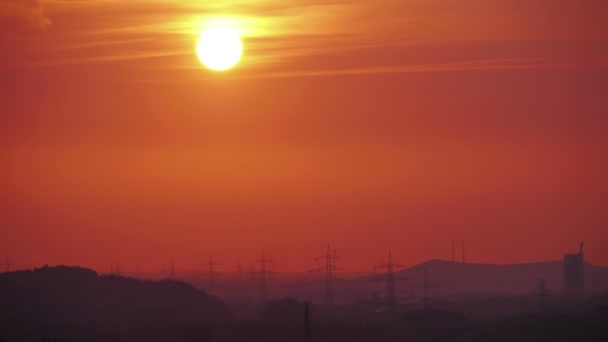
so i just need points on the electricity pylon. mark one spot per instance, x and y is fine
(391, 299)
(426, 285)
(264, 270)
(330, 272)
(211, 265)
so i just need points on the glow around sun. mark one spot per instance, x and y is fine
(219, 48)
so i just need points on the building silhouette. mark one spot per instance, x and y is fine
(574, 275)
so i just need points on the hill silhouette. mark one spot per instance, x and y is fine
(79, 296)
(471, 278)
(474, 278)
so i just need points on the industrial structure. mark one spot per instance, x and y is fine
(264, 270)
(307, 331)
(574, 273)
(330, 272)
(427, 287)
(391, 298)
(211, 265)
(171, 270)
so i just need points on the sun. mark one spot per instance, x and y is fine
(219, 48)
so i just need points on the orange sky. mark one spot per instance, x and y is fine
(401, 124)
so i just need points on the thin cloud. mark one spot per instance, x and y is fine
(477, 65)
(288, 37)
(18, 15)
(497, 64)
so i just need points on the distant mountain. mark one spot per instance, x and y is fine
(489, 278)
(79, 295)
(459, 278)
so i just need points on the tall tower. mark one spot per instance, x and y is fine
(211, 277)
(426, 286)
(574, 274)
(263, 274)
(391, 298)
(329, 270)
(307, 332)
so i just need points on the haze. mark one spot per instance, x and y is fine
(376, 125)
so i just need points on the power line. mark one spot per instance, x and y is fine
(171, 270)
(330, 271)
(8, 264)
(211, 265)
(263, 274)
(391, 299)
(426, 286)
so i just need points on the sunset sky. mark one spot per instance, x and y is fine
(377, 125)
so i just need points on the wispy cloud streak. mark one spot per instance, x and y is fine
(289, 36)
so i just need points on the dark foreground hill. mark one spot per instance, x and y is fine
(74, 304)
(61, 296)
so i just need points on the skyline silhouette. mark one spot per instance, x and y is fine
(381, 128)
(303, 170)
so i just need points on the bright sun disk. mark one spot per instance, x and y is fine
(219, 48)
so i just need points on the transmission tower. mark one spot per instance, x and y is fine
(171, 270)
(8, 264)
(426, 286)
(330, 271)
(390, 266)
(266, 266)
(211, 264)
